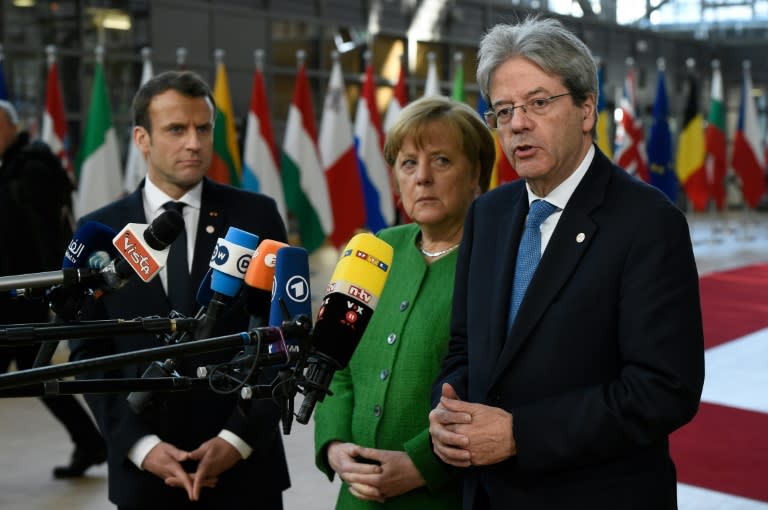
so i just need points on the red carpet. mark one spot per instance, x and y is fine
(734, 303)
(726, 449)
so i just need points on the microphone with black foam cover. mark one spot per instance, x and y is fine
(346, 309)
(291, 295)
(258, 281)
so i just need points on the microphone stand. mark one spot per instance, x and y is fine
(165, 384)
(258, 336)
(33, 333)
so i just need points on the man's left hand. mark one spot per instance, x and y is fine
(214, 457)
(489, 431)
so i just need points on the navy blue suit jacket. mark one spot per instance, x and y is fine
(185, 419)
(605, 358)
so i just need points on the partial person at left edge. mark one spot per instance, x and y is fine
(195, 449)
(35, 228)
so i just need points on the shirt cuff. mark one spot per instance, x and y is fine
(237, 442)
(141, 449)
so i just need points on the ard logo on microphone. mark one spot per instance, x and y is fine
(137, 255)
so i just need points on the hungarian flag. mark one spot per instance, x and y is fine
(369, 145)
(260, 161)
(660, 143)
(225, 166)
(135, 166)
(337, 152)
(98, 162)
(630, 140)
(54, 129)
(715, 142)
(748, 157)
(604, 139)
(691, 151)
(503, 171)
(306, 191)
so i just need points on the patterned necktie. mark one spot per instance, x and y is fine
(179, 285)
(528, 254)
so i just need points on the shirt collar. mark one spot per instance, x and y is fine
(154, 197)
(562, 193)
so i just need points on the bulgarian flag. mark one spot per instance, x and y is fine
(457, 91)
(225, 166)
(715, 142)
(306, 192)
(98, 162)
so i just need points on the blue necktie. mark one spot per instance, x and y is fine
(528, 254)
(180, 292)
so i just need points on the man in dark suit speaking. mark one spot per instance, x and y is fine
(577, 343)
(190, 449)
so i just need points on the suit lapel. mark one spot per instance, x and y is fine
(210, 227)
(568, 244)
(509, 231)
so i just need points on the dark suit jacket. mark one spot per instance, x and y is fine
(605, 358)
(185, 419)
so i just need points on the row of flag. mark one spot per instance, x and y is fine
(700, 163)
(335, 181)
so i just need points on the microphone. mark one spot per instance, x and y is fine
(227, 267)
(92, 240)
(144, 249)
(346, 309)
(258, 281)
(291, 295)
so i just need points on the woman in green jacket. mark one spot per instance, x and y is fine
(373, 430)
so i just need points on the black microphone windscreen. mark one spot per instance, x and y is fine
(164, 230)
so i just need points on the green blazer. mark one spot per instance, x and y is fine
(382, 399)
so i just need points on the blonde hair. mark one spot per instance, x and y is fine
(461, 123)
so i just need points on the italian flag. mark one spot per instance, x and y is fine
(99, 158)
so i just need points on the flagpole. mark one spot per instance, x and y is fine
(181, 57)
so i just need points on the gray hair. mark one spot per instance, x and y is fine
(549, 45)
(10, 111)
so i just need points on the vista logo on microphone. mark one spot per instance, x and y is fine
(129, 244)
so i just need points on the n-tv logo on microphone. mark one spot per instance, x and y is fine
(129, 244)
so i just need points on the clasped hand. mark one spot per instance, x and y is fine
(392, 472)
(468, 434)
(213, 457)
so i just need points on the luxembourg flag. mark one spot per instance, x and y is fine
(260, 170)
(369, 143)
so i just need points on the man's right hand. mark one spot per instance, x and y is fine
(164, 461)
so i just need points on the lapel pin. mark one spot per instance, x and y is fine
(209, 229)
(580, 237)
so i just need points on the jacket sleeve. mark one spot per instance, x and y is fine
(333, 419)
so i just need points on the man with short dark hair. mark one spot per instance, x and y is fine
(188, 449)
